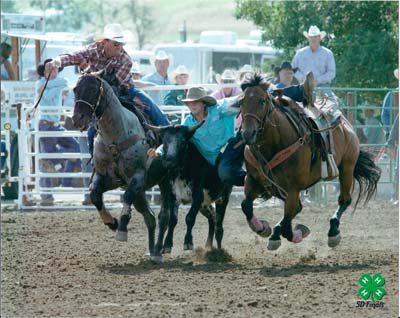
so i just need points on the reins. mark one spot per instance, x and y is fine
(41, 94)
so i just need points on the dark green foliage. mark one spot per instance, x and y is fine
(364, 36)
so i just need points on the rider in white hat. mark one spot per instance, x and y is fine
(107, 53)
(317, 59)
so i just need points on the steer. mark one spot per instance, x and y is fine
(193, 180)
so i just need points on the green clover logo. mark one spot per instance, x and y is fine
(371, 287)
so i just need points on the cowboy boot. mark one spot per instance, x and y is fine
(308, 84)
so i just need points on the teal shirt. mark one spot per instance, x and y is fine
(215, 132)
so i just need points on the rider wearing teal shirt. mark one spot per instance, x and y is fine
(218, 128)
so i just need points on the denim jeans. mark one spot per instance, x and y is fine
(231, 161)
(295, 92)
(151, 109)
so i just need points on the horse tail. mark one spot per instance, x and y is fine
(367, 174)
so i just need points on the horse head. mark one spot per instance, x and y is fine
(88, 92)
(175, 140)
(255, 104)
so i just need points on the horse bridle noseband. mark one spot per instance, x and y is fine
(101, 93)
(264, 118)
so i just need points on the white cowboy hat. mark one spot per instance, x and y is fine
(396, 73)
(226, 75)
(136, 68)
(181, 69)
(112, 31)
(161, 56)
(245, 70)
(199, 93)
(314, 31)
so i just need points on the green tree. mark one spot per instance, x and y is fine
(364, 36)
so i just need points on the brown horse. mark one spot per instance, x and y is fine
(267, 130)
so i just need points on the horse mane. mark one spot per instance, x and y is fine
(255, 80)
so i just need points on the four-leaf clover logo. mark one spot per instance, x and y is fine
(371, 287)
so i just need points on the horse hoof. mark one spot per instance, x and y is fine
(334, 241)
(265, 232)
(305, 231)
(157, 259)
(114, 225)
(273, 245)
(188, 247)
(167, 250)
(121, 236)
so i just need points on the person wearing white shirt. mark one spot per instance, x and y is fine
(317, 59)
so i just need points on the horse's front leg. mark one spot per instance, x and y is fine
(284, 227)
(252, 190)
(99, 185)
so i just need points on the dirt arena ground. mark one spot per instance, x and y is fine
(67, 264)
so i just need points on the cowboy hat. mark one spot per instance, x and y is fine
(181, 69)
(199, 93)
(112, 31)
(136, 68)
(314, 31)
(161, 56)
(286, 65)
(227, 75)
(396, 73)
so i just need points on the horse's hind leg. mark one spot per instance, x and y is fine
(251, 191)
(209, 213)
(100, 185)
(346, 183)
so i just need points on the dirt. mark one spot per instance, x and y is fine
(67, 264)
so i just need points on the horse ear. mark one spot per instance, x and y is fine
(99, 73)
(264, 85)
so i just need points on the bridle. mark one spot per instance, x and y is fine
(265, 117)
(101, 93)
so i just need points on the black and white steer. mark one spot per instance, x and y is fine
(193, 180)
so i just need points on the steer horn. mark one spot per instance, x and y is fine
(192, 129)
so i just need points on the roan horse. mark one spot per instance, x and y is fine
(269, 134)
(120, 158)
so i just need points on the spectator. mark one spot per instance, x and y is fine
(286, 75)
(227, 77)
(162, 62)
(388, 108)
(372, 127)
(317, 59)
(181, 77)
(50, 121)
(135, 71)
(392, 147)
(7, 72)
(245, 71)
